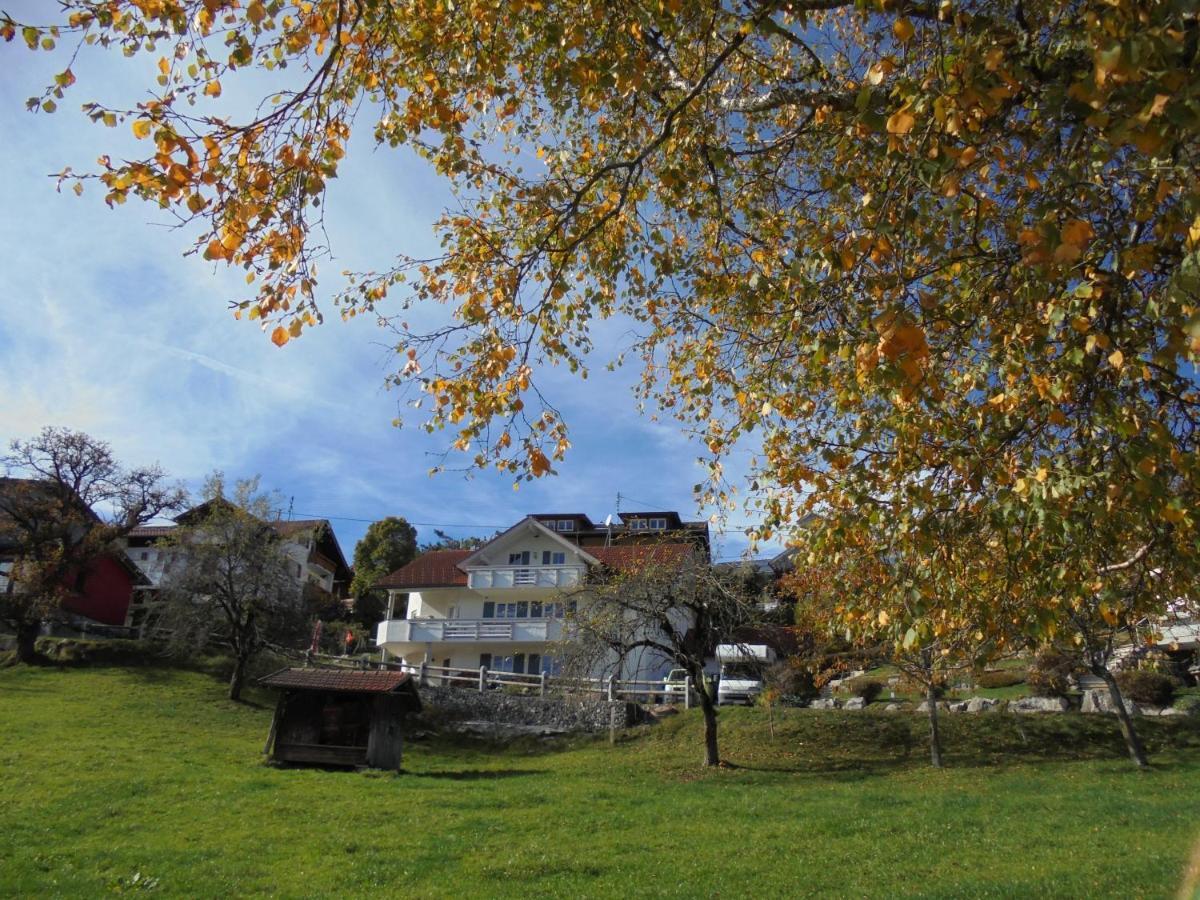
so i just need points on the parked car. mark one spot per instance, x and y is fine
(742, 670)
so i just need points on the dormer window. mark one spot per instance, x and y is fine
(564, 525)
(657, 524)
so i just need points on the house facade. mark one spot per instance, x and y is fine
(504, 605)
(316, 561)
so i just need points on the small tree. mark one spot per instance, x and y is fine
(231, 582)
(69, 505)
(671, 604)
(388, 544)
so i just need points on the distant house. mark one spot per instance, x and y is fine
(319, 566)
(502, 605)
(102, 594)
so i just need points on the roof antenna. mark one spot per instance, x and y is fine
(608, 529)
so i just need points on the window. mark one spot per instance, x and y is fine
(535, 609)
(485, 659)
(522, 609)
(519, 559)
(550, 558)
(514, 664)
(145, 554)
(535, 664)
(564, 525)
(489, 611)
(658, 524)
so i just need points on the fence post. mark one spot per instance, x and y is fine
(687, 692)
(423, 678)
(611, 694)
(542, 686)
(482, 679)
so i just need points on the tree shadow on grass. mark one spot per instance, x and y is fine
(477, 774)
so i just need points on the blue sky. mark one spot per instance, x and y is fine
(106, 327)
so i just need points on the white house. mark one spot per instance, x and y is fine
(502, 605)
(317, 561)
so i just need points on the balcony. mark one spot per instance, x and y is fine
(525, 576)
(441, 631)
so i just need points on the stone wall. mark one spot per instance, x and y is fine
(557, 712)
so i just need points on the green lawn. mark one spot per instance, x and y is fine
(107, 773)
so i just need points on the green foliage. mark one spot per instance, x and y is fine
(862, 686)
(1145, 687)
(1050, 673)
(1000, 678)
(388, 545)
(187, 803)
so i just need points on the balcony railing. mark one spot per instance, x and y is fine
(525, 576)
(420, 631)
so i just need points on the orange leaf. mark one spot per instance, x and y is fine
(280, 336)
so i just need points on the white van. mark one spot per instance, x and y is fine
(742, 670)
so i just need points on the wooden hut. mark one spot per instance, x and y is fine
(340, 717)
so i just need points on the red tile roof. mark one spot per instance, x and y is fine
(354, 681)
(627, 557)
(437, 568)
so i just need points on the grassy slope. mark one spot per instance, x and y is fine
(106, 773)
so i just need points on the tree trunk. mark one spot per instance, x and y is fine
(27, 634)
(238, 678)
(935, 736)
(1133, 742)
(709, 708)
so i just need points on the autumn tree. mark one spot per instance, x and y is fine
(669, 605)
(231, 581)
(388, 544)
(66, 503)
(936, 260)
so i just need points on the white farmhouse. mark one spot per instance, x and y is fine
(502, 605)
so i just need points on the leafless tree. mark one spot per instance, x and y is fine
(231, 582)
(671, 603)
(66, 503)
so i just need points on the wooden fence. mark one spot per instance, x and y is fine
(483, 679)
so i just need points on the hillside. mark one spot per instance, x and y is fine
(149, 780)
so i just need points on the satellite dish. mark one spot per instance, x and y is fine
(608, 521)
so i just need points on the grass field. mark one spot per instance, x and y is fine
(148, 780)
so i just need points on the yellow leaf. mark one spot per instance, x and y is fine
(883, 617)
(1041, 474)
(901, 121)
(141, 128)
(1116, 359)
(213, 88)
(255, 12)
(164, 65)
(280, 336)
(903, 29)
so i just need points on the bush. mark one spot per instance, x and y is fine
(1000, 678)
(85, 652)
(909, 685)
(790, 682)
(866, 688)
(1146, 688)
(1050, 674)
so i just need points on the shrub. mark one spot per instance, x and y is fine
(790, 682)
(1000, 678)
(866, 688)
(85, 652)
(1050, 674)
(910, 685)
(1147, 688)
